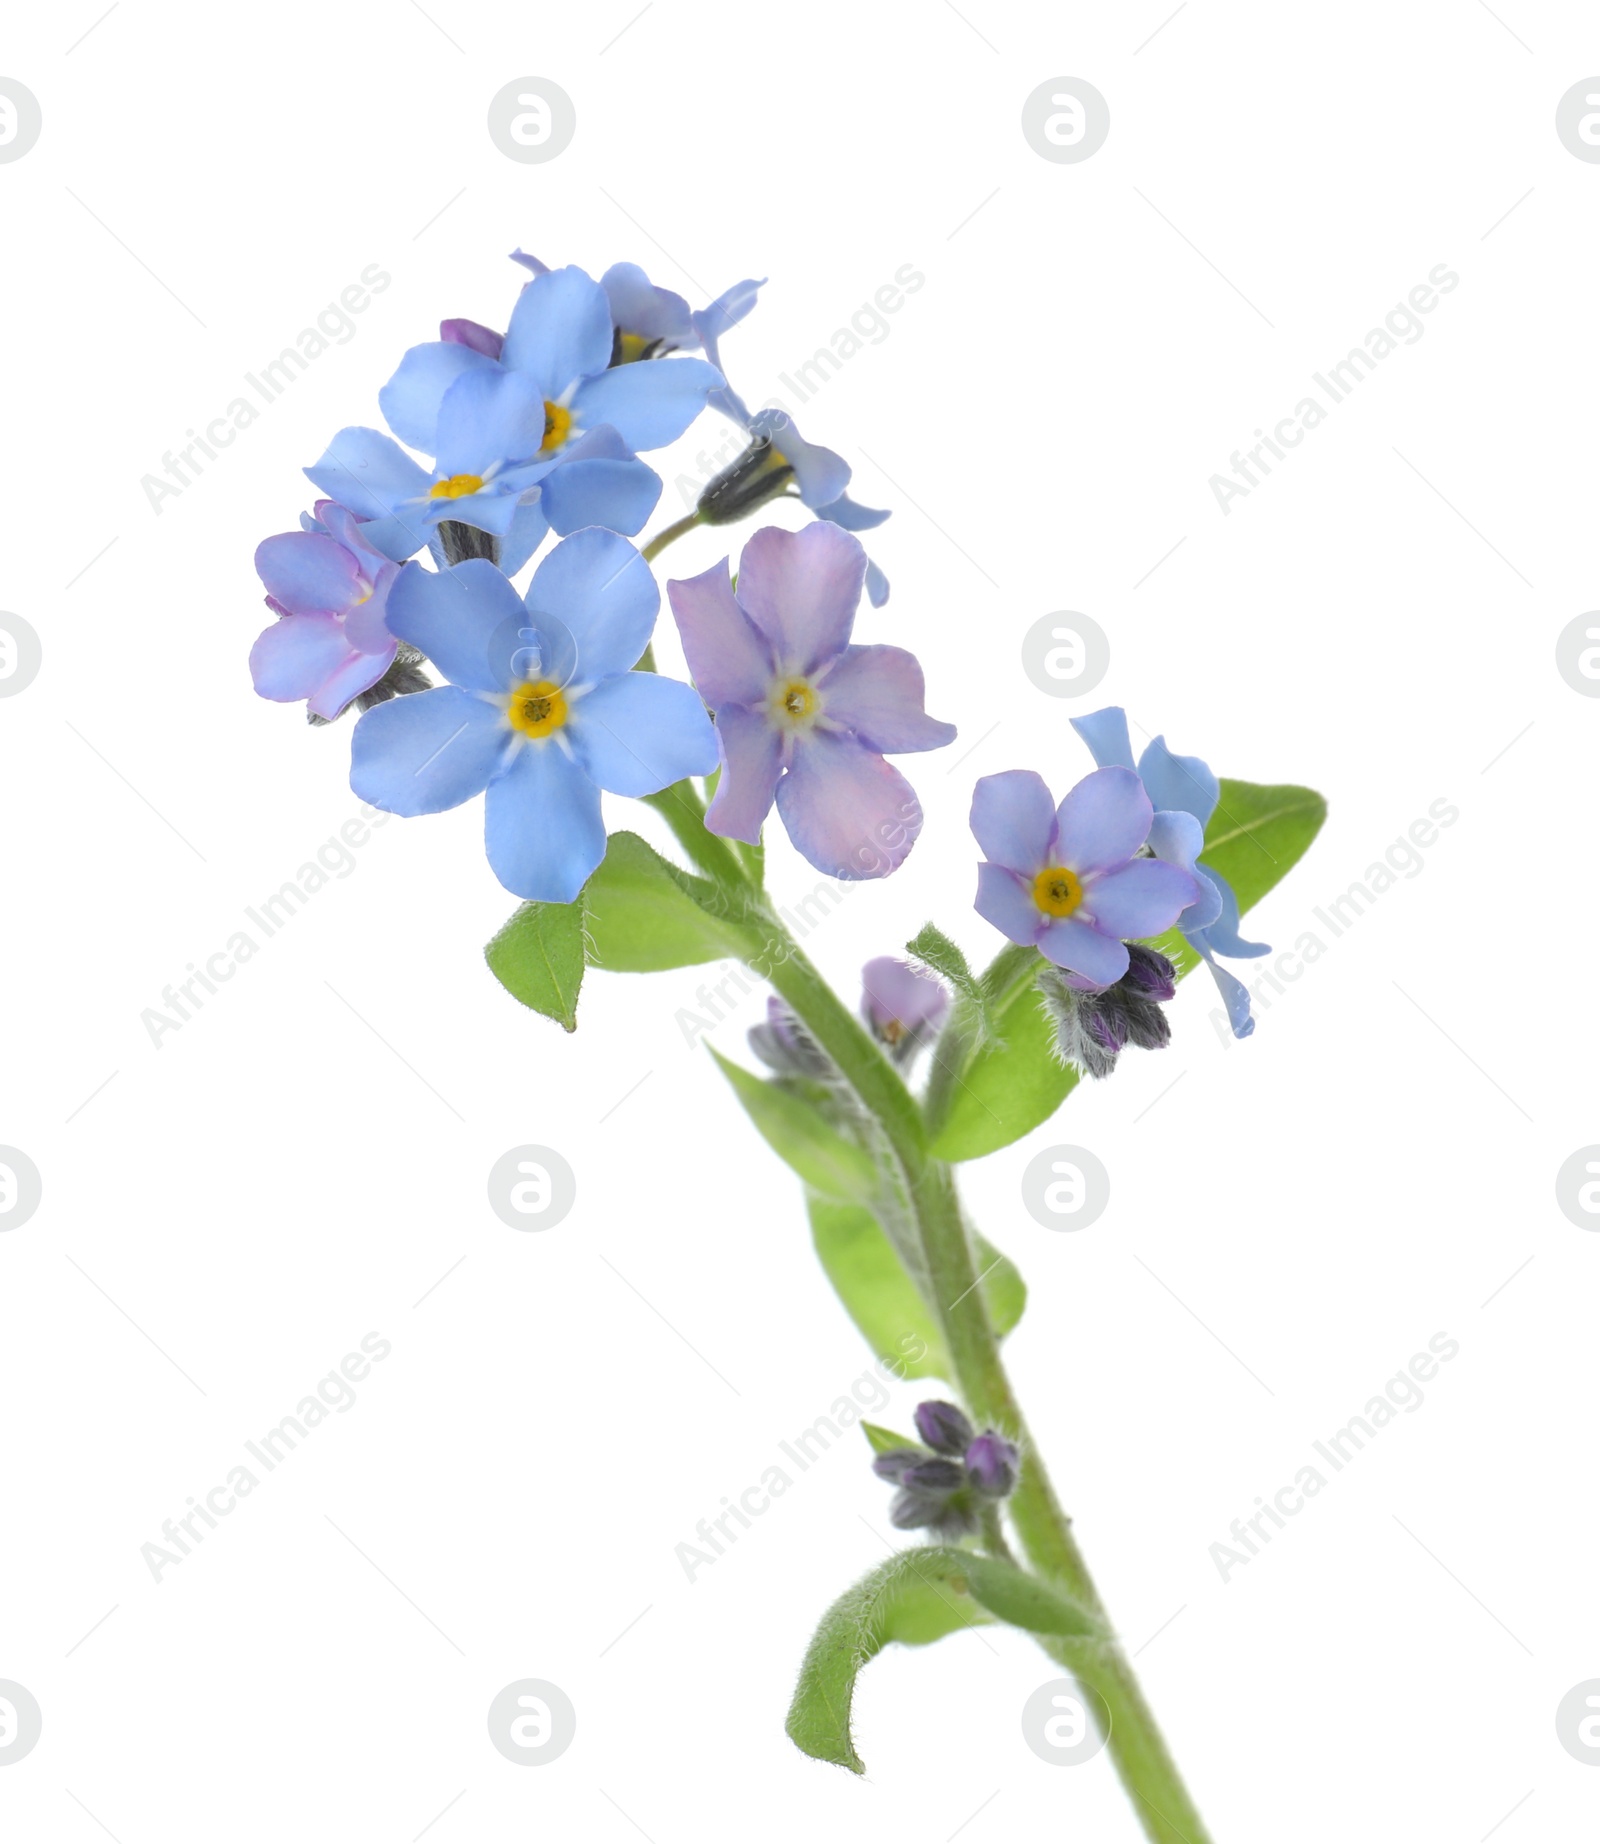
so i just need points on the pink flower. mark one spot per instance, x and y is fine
(803, 716)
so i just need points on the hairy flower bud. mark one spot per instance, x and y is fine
(943, 1427)
(992, 1464)
(784, 1045)
(1094, 1025)
(894, 1464)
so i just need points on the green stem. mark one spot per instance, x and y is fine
(1151, 1778)
(949, 1278)
(669, 534)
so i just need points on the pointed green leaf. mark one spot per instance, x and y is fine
(875, 1289)
(797, 1133)
(914, 1598)
(937, 951)
(881, 1297)
(1011, 1085)
(646, 915)
(885, 1440)
(539, 956)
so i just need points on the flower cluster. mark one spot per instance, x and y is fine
(945, 1484)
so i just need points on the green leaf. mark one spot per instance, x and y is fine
(1005, 1292)
(875, 1289)
(1010, 1086)
(889, 1312)
(936, 950)
(1256, 836)
(538, 957)
(836, 1167)
(885, 1440)
(914, 1598)
(645, 915)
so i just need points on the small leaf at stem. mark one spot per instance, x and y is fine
(838, 1168)
(885, 1440)
(646, 915)
(539, 958)
(916, 1597)
(875, 1289)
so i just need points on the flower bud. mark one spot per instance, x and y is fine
(1095, 1024)
(902, 1006)
(761, 473)
(943, 1427)
(784, 1045)
(893, 1464)
(992, 1464)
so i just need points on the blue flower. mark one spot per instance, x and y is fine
(778, 455)
(1184, 793)
(548, 411)
(542, 710)
(649, 322)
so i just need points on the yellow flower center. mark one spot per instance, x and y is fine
(631, 346)
(1057, 891)
(794, 702)
(458, 486)
(557, 427)
(537, 708)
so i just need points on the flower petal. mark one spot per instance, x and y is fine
(1222, 936)
(601, 590)
(851, 514)
(1014, 820)
(819, 473)
(541, 824)
(1139, 899)
(801, 589)
(650, 404)
(1006, 902)
(466, 619)
(1106, 733)
(307, 573)
(427, 752)
(560, 330)
(359, 673)
(472, 333)
(410, 400)
(1182, 783)
(729, 659)
(527, 531)
(1103, 821)
(895, 992)
(489, 415)
(371, 474)
(619, 494)
(752, 759)
(878, 693)
(1235, 996)
(1084, 950)
(295, 655)
(638, 306)
(847, 811)
(637, 733)
(1177, 838)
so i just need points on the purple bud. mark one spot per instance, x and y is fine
(783, 1045)
(943, 1427)
(469, 333)
(903, 1006)
(893, 1464)
(933, 1476)
(1150, 974)
(992, 1464)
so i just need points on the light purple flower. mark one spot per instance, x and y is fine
(328, 588)
(1069, 879)
(902, 1005)
(802, 716)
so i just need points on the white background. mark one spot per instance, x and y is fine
(303, 1161)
